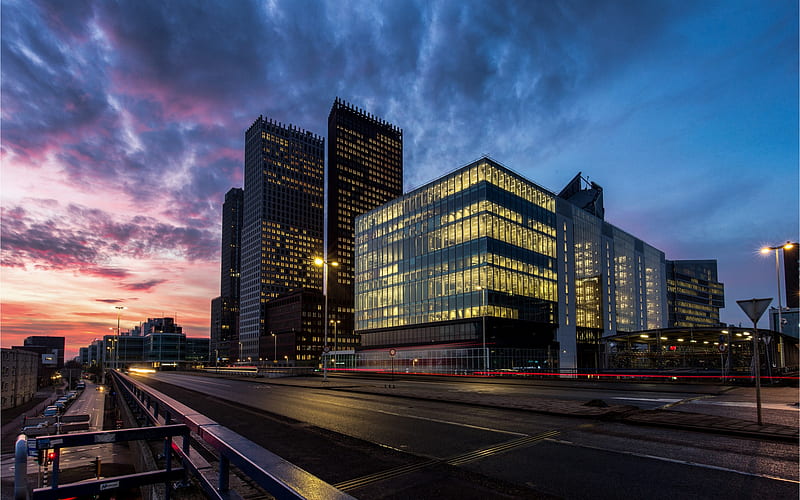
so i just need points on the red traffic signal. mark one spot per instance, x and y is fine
(51, 455)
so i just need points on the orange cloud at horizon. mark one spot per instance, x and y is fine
(81, 308)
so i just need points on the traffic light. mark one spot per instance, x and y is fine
(51, 455)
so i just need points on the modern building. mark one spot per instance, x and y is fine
(225, 308)
(160, 325)
(365, 170)
(483, 269)
(694, 293)
(282, 223)
(46, 345)
(19, 379)
(296, 329)
(121, 351)
(789, 320)
(791, 273)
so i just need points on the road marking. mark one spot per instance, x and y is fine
(674, 460)
(748, 404)
(448, 422)
(435, 420)
(684, 401)
(457, 460)
(655, 400)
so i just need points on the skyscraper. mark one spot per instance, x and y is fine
(283, 224)
(225, 308)
(365, 170)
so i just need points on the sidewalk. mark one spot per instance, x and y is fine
(596, 409)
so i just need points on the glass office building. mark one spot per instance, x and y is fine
(499, 273)
(694, 294)
(467, 259)
(609, 280)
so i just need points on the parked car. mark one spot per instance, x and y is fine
(60, 406)
(51, 411)
(29, 428)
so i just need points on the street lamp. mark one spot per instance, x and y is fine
(324, 264)
(786, 246)
(275, 346)
(116, 343)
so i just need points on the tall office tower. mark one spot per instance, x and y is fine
(225, 308)
(283, 224)
(694, 295)
(365, 170)
(791, 273)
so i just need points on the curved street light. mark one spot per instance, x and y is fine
(320, 262)
(786, 246)
(116, 340)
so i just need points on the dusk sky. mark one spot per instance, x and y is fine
(123, 127)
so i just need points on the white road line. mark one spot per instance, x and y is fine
(655, 400)
(747, 404)
(194, 379)
(438, 421)
(675, 461)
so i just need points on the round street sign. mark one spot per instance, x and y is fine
(327, 348)
(723, 347)
(392, 352)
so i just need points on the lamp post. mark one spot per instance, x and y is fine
(275, 347)
(116, 339)
(239, 357)
(786, 246)
(324, 264)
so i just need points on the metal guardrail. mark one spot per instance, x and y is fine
(55, 443)
(277, 476)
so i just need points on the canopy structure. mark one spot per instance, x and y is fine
(714, 350)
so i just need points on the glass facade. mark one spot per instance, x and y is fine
(478, 244)
(694, 294)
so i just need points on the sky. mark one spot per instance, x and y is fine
(122, 127)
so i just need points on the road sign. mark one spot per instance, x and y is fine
(392, 352)
(754, 308)
(723, 347)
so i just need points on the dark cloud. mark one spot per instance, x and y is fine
(111, 301)
(149, 100)
(146, 92)
(143, 285)
(86, 239)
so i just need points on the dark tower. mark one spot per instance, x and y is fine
(225, 308)
(365, 171)
(791, 269)
(283, 224)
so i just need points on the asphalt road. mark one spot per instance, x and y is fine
(382, 447)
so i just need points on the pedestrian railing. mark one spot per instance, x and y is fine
(161, 417)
